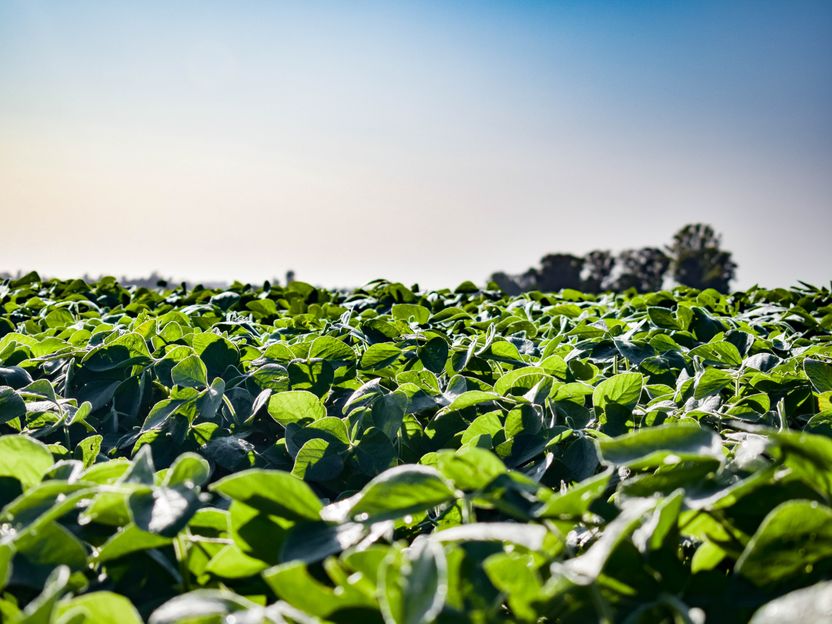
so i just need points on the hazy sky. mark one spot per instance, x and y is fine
(419, 141)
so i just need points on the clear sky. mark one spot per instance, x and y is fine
(427, 141)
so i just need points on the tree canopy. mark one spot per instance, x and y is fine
(694, 258)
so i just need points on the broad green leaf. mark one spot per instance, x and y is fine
(313, 541)
(413, 584)
(273, 492)
(663, 318)
(471, 398)
(293, 583)
(656, 446)
(41, 610)
(188, 469)
(623, 390)
(576, 500)
(794, 535)
(24, 459)
(388, 413)
(163, 510)
(652, 534)
(434, 354)
(11, 405)
(614, 399)
(232, 563)
(100, 607)
(295, 406)
(586, 568)
(810, 605)
(380, 355)
(203, 605)
(401, 491)
(819, 373)
(469, 468)
(407, 311)
(190, 373)
(720, 353)
(711, 381)
(529, 536)
(128, 540)
(318, 460)
(329, 348)
(515, 576)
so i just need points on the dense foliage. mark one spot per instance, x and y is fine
(383, 455)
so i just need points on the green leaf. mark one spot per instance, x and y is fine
(586, 568)
(792, 536)
(313, 541)
(810, 605)
(469, 468)
(11, 405)
(575, 502)
(6, 556)
(663, 318)
(292, 582)
(652, 534)
(400, 491)
(101, 607)
(719, 353)
(190, 373)
(623, 389)
(413, 584)
(471, 398)
(819, 373)
(273, 492)
(188, 469)
(203, 606)
(374, 452)
(329, 348)
(666, 445)
(41, 609)
(232, 563)
(128, 540)
(380, 355)
(407, 311)
(434, 354)
(388, 413)
(318, 460)
(515, 576)
(614, 399)
(163, 510)
(529, 536)
(24, 459)
(295, 406)
(711, 381)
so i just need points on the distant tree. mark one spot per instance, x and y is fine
(643, 269)
(528, 280)
(506, 283)
(697, 260)
(559, 271)
(597, 271)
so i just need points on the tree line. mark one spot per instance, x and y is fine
(694, 258)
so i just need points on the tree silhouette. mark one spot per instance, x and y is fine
(506, 283)
(697, 260)
(694, 259)
(599, 265)
(559, 271)
(643, 269)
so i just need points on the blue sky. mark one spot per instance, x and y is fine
(420, 141)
